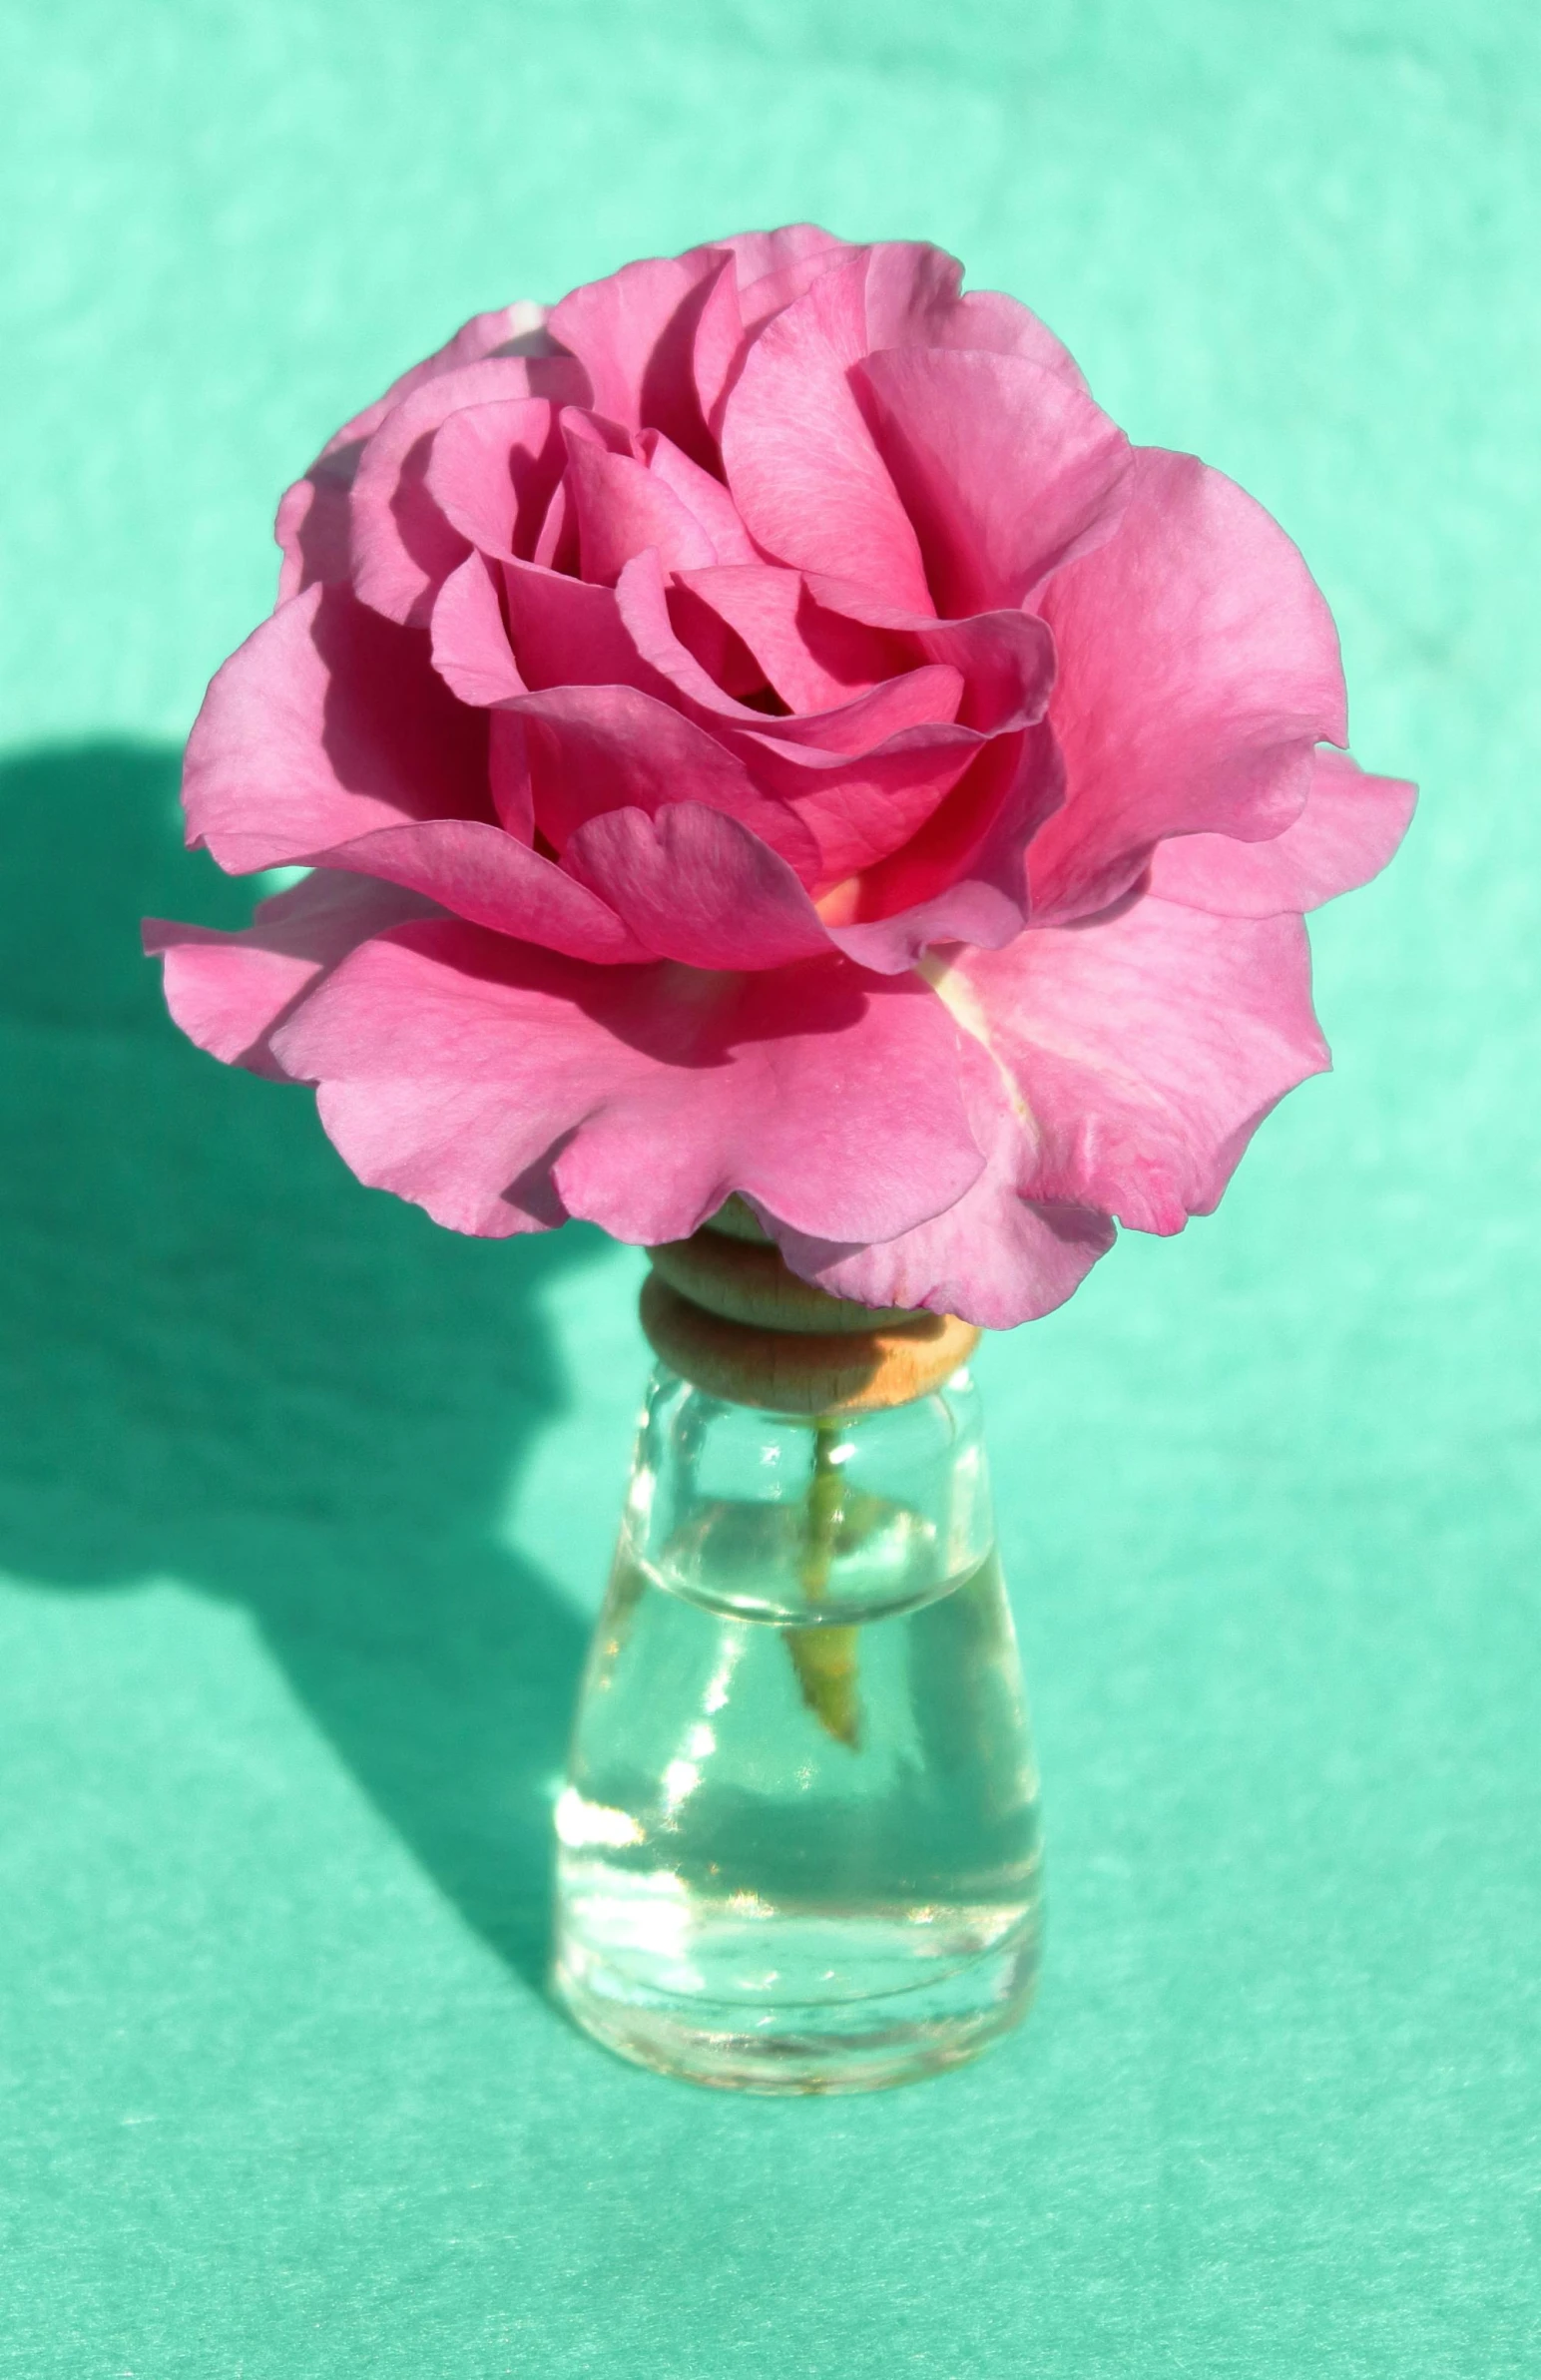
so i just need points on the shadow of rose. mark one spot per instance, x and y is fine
(227, 1363)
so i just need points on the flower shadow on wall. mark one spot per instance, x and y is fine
(227, 1366)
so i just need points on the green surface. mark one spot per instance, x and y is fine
(303, 1503)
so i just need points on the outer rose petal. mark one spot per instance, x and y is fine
(312, 522)
(228, 991)
(495, 1083)
(1349, 829)
(1198, 669)
(327, 723)
(996, 1257)
(1144, 1050)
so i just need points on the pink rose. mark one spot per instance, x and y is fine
(761, 728)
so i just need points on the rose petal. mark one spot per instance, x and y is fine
(801, 465)
(403, 546)
(327, 721)
(962, 877)
(228, 991)
(494, 879)
(1006, 469)
(1143, 1050)
(468, 639)
(313, 524)
(1198, 669)
(814, 658)
(633, 334)
(492, 471)
(862, 806)
(695, 885)
(623, 509)
(491, 1081)
(703, 496)
(565, 632)
(592, 749)
(996, 1257)
(1349, 829)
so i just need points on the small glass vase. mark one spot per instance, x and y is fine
(797, 1848)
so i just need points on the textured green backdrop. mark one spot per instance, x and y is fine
(303, 1505)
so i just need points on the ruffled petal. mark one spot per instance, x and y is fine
(813, 656)
(1142, 1051)
(623, 509)
(329, 721)
(498, 1085)
(566, 633)
(1199, 670)
(633, 334)
(229, 991)
(1349, 829)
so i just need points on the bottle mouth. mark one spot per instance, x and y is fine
(729, 1315)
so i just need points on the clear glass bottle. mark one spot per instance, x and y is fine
(799, 1842)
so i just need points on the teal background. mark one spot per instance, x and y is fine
(303, 1505)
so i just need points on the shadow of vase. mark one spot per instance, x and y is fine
(227, 1363)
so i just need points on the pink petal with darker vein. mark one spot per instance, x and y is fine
(801, 465)
(634, 334)
(468, 639)
(623, 509)
(327, 721)
(962, 877)
(814, 658)
(493, 469)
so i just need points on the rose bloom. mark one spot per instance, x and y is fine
(759, 726)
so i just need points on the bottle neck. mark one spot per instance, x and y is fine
(726, 1313)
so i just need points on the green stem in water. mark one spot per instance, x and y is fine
(824, 1659)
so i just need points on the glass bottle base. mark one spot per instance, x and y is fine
(868, 2039)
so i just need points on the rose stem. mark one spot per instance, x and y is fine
(826, 1657)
